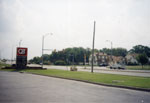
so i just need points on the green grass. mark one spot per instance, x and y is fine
(132, 81)
(138, 67)
(3, 65)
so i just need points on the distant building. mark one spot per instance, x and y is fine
(94, 59)
(131, 59)
(118, 60)
(100, 59)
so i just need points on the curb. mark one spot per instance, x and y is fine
(102, 84)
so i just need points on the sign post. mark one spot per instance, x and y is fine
(21, 59)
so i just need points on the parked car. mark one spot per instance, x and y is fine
(103, 65)
(117, 66)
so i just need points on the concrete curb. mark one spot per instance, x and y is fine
(102, 84)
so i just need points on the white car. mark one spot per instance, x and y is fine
(117, 66)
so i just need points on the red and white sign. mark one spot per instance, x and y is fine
(22, 51)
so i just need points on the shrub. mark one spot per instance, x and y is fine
(60, 62)
(47, 62)
(73, 68)
(130, 63)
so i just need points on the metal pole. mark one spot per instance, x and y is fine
(111, 52)
(0, 54)
(85, 60)
(12, 56)
(20, 43)
(73, 60)
(43, 46)
(93, 46)
(111, 49)
(42, 49)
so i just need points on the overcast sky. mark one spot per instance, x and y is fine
(124, 22)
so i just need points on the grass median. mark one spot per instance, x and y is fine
(138, 67)
(112, 79)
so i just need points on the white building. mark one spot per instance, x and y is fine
(131, 59)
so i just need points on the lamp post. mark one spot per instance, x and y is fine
(72, 55)
(12, 55)
(20, 43)
(111, 47)
(85, 61)
(43, 45)
(0, 55)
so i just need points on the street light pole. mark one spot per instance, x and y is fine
(43, 45)
(42, 49)
(12, 55)
(73, 60)
(111, 52)
(93, 47)
(20, 43)
(111, 48)
(0, 55)
(85, 60)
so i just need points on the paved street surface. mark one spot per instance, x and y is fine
(27, 88)
(143, 73)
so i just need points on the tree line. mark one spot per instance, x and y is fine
(78, 55)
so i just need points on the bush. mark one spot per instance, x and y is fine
(60, 62)
(73, 68)
(47, 62)
(130, 63)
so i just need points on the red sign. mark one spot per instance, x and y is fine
(22, 51)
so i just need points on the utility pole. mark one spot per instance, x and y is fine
(93, 47)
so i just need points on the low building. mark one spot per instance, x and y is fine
(100, 59)
(118, 60)
(131, 59)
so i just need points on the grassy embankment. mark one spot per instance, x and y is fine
(120, 80)
(138, 67)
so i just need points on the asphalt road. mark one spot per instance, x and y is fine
(27, 88)
(142, 73)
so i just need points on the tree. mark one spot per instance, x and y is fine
(139, 49)
(35, 60)
(69, 55)
(142, 58)
(60, 62)
(115, 51)
(120, 52)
